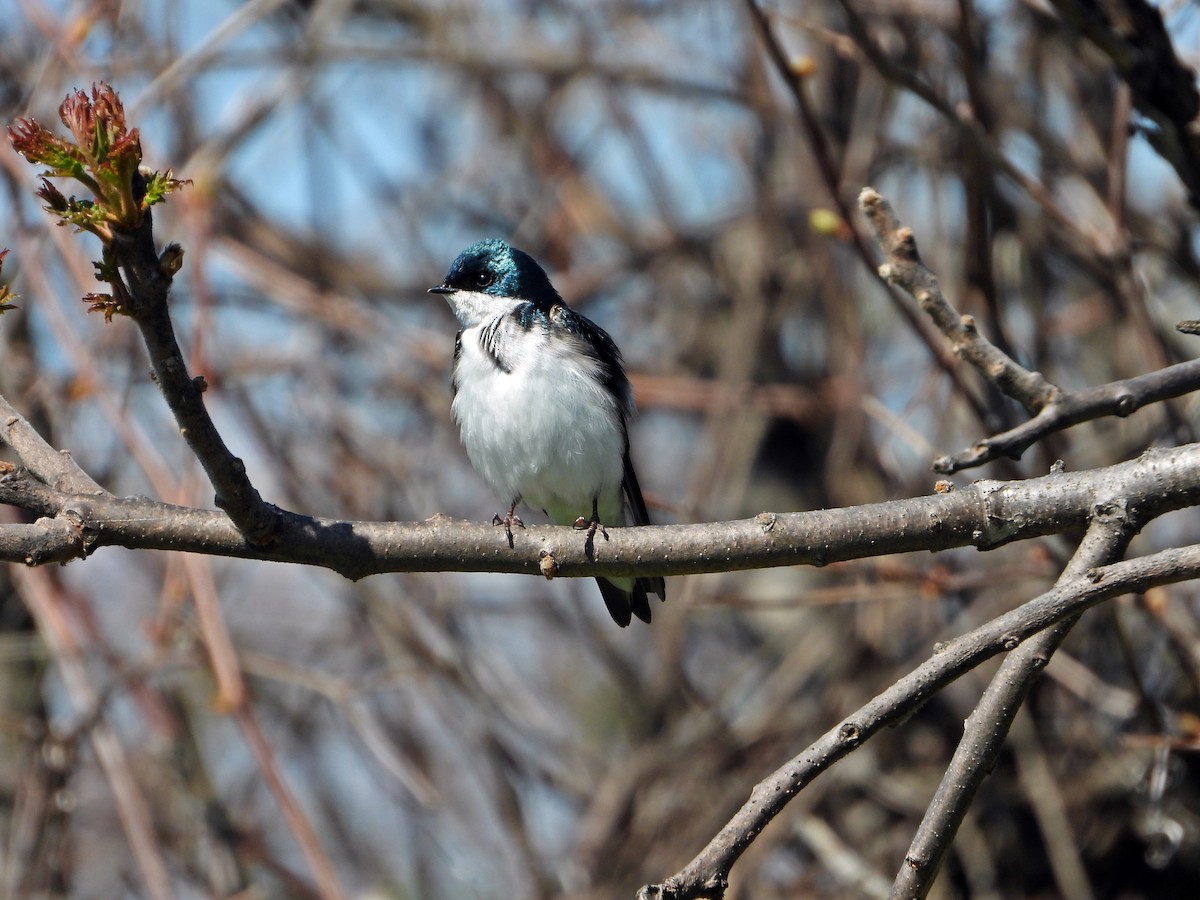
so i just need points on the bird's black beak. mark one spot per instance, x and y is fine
(441, 289)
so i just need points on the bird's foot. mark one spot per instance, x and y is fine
(592, 525)
(509, 521)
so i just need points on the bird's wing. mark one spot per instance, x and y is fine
(637, 508)
(633, 494)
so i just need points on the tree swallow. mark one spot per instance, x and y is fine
(542, 405)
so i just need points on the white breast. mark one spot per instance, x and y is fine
(547, 430)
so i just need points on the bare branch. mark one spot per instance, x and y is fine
(985, 514)
(794, 77)
(1053, 408)
(45, 541)
(969, 127)
(903, 267)
(45, 602)
(640, 153)
(707, 874)
(148, 281)
(51, 467)
(1117, 398)
(991, 719)
(300, 824)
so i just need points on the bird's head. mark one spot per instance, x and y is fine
(491, 277)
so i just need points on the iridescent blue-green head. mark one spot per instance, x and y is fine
(488, 277)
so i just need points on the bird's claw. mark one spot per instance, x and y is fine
(508, 522)
(592, 525)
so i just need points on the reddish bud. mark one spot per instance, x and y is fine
(54, 198)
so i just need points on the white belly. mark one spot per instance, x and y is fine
(547, 431)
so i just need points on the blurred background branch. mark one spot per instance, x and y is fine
(492, 736)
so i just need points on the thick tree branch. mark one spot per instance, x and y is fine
(45, 541)
(707, 874)
(985, 514)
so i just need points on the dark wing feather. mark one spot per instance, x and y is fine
(454, 365)
(600, 347)
(637, 508)
(622, 604)
(633, 493)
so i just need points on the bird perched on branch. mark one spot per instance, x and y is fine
(542, 405)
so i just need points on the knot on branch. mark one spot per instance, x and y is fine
(850, 733)
(547, 564)
(1110, 512)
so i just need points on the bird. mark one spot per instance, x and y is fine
(543, 405)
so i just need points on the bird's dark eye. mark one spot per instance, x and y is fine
(483, 279)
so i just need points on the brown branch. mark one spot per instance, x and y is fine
(134, 810)
(971, 130)
(707, 874)
(297, 821)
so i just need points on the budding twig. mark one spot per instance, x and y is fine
(104, 155)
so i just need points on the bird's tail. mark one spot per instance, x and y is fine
(630, 597)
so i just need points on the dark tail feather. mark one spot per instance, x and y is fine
(624, 604)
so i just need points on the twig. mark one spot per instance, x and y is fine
(299, 823)
(972, 130)
(1045, 795)
(54, 468)
(148, 285)
(903, 267)
(706, 875)
(989, 722)
(1053, 409)
(1117, 398)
